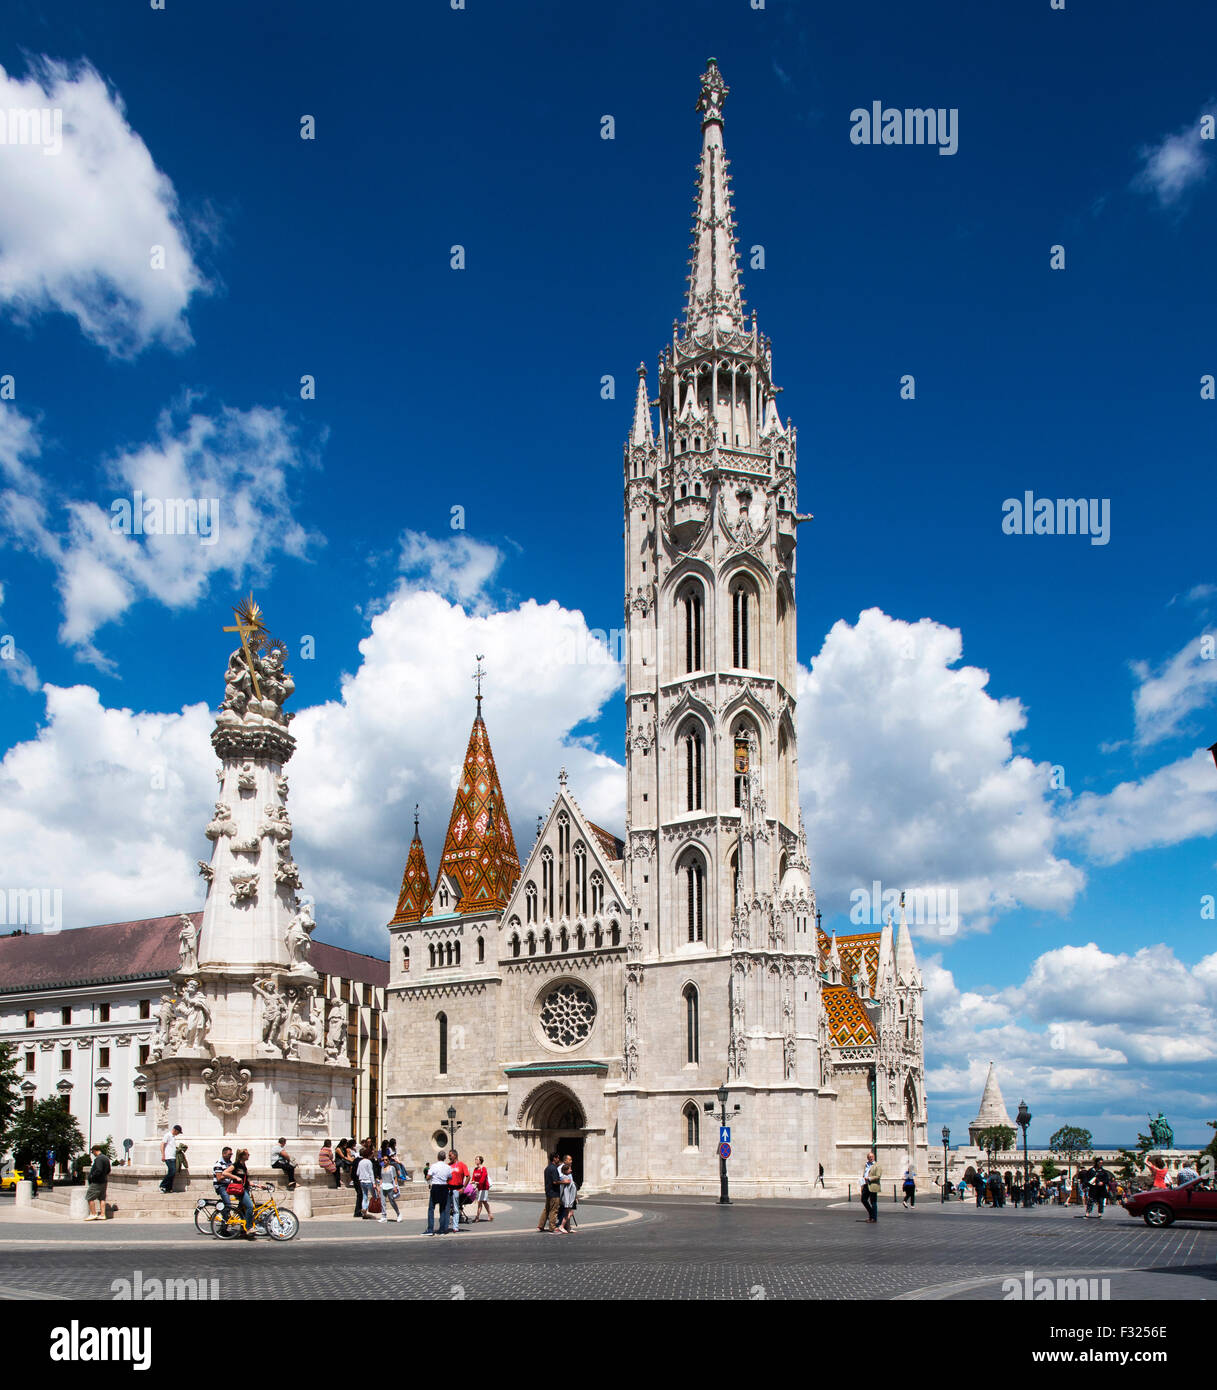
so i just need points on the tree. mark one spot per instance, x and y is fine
(1071, 1142)
(1049, 1170)
(996, 1140)
(1126, 1166)
(1206, 1159)
(49, 1127)
(9, 1099)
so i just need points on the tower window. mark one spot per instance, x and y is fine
(442, 1020)
(693, 881)
(694, 777)
(743, 606)
(692, 603)
(692, 1025)
(692, 1126)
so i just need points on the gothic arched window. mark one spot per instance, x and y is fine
(614, 934)
(530, 902)
(532, 943)
(744, 609)
(405, 955)
(481, 949)
(692, 1024)
(442, 1020)
(692, 757)
(692, 877)
(691, 605)
(515, 946)
(692, 1125)
(431, 948)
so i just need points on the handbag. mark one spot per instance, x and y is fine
(375, 1206)
(235, 1189)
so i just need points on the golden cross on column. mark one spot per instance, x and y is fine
(249, 623)
(478, 676)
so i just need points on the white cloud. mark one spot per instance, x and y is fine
(1173, 166)
(78, 224)
(458, 567)
(235, 466)
(908, 775)
(13, 661)
(1177, 802)
(1163, 699)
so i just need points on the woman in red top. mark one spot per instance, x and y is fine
(1158, 1174)
(481, 1180)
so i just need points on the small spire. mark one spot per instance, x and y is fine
(478, 676)
(416, 820)
(562, 778)
(714, 289)
(641, 432)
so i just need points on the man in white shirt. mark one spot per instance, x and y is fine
(169, 1155)
(437, 1176)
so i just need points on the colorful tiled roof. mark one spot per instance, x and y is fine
(612, 845)
(480, 851)
(849, 1024)
(857, 952)
(415, 895)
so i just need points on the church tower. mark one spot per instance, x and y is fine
(717, 862)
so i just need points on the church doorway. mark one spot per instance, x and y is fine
(551, 1121)
(574, 1147)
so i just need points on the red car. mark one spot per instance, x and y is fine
(1160, 1206)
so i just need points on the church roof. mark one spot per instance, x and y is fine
(612, 845)
(859, 953)
(415, 895)
(479, 850)
(992, 1110)
(848, 1022)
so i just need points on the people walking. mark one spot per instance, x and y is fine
(568, 1196)
(283, 1160)
(871, 1177)
(438, 1199)
(169, 1157)
(820, 1177)
(553, 1197)
(1101, 1183)
(95, 1193)
(481, 1180)
(365, 1175)
(388, 1190)
(457, 1180)
(909, 1187)
(220, 1182)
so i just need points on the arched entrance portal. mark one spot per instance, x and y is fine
(553, 1121)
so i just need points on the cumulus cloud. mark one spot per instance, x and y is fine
(1185, 683)
(201, 498)
(13, 661)
(908, 775)
(83, 209)
(1174, 165)
(458, 567)
(1175, 803)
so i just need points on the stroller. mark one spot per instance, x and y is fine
(468, 1196)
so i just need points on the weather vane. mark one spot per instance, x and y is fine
(249, 624)
(477, 676)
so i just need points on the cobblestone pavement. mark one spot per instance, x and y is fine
(671, 1248)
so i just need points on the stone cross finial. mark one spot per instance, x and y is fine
(478, 676)
(562, 777)
(713, 93)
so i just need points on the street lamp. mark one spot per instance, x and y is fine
(453, 1125)
(946, 1139)
(724, 1199)
(1023, 1119)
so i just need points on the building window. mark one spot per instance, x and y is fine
(568, 1012)
(29, 1018)
(515, 947)
(481, 949)
(144, 1050)
(103, 1102)
(145, 1008)
(443, 1044)
(692, 1025)
(693, 749)
(65, 1060)
(692, 603)
(65, 1015)
(103, 1013)
(692, 1126)
(431, 948)
(29, 1105)
(597, 894)
(103, 1056)
(30, 1061)
(141, 1102)
(693, 885)
(530, 902)
(532, 943)
(405, 956)
(614, 934)
(743, 619)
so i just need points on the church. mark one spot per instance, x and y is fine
(594, 999)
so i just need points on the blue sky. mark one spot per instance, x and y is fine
(481, 389)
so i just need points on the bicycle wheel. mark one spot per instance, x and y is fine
(224, 1228)
(202, 1217)
(283, 1225)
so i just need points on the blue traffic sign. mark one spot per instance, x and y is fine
(724, 1134)
(724, 1150)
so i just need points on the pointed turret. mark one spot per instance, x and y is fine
(885, 954)
(479, 850)
(641, 434)
(834, 961)
(992, 1110)
(714, 300)
(415, 896)
(906, 961)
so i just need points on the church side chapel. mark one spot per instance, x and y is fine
(594, 999)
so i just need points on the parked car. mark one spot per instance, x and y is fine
(10, 1180)
(1161, 1206)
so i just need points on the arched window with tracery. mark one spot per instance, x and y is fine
(691, 874)
(530, 902)
(745, 609)
(691, 1120)
(691, 605)
(692, 1024)
(693, 766)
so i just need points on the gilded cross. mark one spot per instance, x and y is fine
(248, 626)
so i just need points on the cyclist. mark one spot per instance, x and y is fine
(236, 1176)
(219, 1182)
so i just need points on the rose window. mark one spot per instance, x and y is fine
(567, 1014)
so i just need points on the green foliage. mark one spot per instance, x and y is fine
(1126, 1166)
(50, 1126)
(9, 1099)
(1049, 1170)
(996, 1140)
(1071, 1142)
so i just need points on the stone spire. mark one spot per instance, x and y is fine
(642, 434)
(714, 302)
(415, 896)
(906, 961)
(992, 1107)
(834, 961)
(479, 850)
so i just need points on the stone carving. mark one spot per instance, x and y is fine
(737, 1043)
(642, 844)
(568, 1012)
(281, 786)
(228, 1089)
(205, 870)
(188, 946)
(633, 982)
(122, 1040)
(222, 824)
(314, 1111)
(277, 825)
(163, 1037)
(287, 871)
(48, 1044)
(788, 1057)
(303, 1025)
(238, 684)
(336, 1034)
(274, 1017)
(299, 938)
(246, 780)
(193, 1016)
(244, 888)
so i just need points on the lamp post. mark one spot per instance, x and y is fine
(1023, 1119)
(453, 1125)
(946, 1139)
(724, 1199)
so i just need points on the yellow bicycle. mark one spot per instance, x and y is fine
(280, 1223)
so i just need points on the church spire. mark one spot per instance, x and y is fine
(415, 896)
(479, 850)
(714, 302)
(642, 434)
